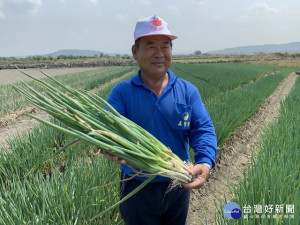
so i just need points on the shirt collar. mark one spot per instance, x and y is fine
(138, 81)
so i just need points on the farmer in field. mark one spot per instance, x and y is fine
(172, 110)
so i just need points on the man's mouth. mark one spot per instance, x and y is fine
(158, 63)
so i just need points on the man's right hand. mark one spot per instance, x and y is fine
(113, 158)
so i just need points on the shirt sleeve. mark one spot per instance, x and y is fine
(202, 136)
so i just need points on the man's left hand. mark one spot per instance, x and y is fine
(201, 173)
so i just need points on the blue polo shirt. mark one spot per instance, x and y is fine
(177, 117)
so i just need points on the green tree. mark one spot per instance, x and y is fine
(198, 52)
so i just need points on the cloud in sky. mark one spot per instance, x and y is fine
(30, 27)
(122, 17)
(217, 16)
(2, 15)
(241, 19)
(145, 2)
(95, 2)
(173, 10)
(265, 8)
(23, 6)
(201, 1)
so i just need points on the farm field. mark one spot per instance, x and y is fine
(277, 156)
(9, 76)
(38, 189)
(14, 107)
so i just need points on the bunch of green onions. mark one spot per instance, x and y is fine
(90, 118)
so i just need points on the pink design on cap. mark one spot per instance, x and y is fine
(152, 25)
(157, 23)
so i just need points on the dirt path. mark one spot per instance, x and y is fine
(16, 123)
(236, 157)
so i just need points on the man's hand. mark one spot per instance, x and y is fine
(113, 158)
(201, 173)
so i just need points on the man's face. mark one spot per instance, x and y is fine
(153, 54)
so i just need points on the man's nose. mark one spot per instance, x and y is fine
(159, 52)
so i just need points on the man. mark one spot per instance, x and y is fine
(172, 110)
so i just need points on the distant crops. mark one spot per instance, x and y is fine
(224, 76)
(11, 101)
(225, 93)
(38, 189)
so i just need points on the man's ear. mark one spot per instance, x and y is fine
(133, 50)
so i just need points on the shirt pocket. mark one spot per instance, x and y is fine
(182, 116)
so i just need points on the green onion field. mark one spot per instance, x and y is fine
(78, 184)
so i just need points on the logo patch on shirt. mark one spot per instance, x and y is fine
(186, 116)
(185, 122)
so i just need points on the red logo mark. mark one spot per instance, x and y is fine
(156, 22)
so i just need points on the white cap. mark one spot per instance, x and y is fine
(152, 25)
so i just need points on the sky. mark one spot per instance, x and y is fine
(37, 27)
